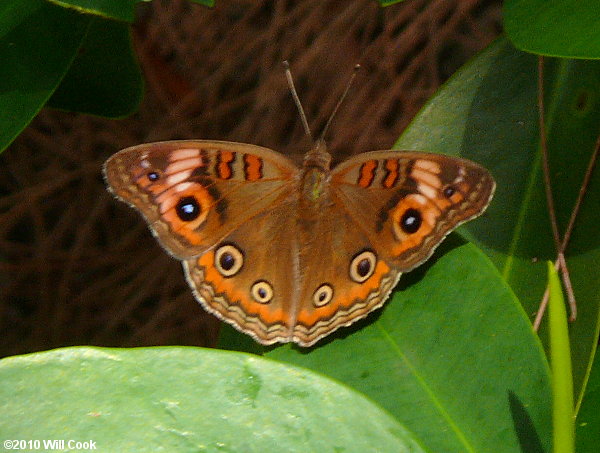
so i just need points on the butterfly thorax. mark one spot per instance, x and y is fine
(315, 175)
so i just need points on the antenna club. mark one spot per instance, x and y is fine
(290, 80)
(337, 106)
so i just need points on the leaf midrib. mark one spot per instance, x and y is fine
(436, 402)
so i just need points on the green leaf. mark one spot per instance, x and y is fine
(187, 399)
(488, 112)
(105, 78)
(588, 419)
(562, 379)
(38, 42)
(451, 356)
(209, 3)
(122, 10)
(389, 2)
(559, 28)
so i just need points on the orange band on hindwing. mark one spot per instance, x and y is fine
(367, 173)
(252, 167)
(345, 300)
(229, 294)
(224, 165)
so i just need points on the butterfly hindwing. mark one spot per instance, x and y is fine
(250, 278)
(278, 279)
(348, 276)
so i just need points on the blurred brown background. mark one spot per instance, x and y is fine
(78, 267)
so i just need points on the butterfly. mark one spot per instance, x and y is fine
(289, 254)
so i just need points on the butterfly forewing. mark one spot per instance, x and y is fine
(193, 193)
(409, 201)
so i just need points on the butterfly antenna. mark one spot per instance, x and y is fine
(290, 80)
(337, 106)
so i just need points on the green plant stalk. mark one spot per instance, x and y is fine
(562, 377)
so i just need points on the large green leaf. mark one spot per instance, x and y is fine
(559, 28)
(487, 112)
(187, 399)
(452, 356)
(104, 79)
(588, 419)
(38, 42)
